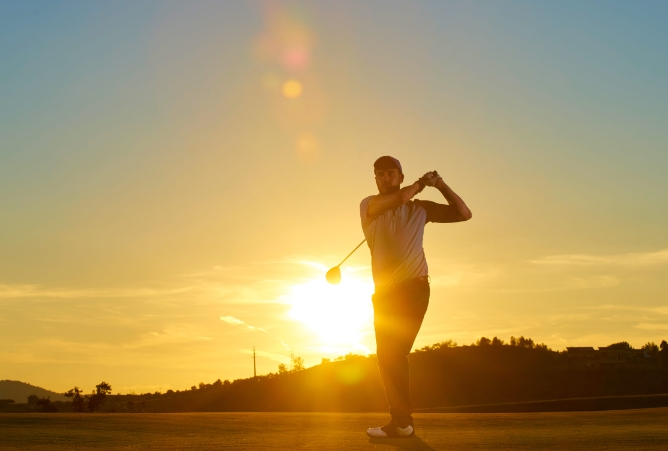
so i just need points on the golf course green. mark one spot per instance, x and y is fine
(641, 429)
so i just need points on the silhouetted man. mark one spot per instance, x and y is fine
(394, 225)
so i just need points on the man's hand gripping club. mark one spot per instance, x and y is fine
(383, 202)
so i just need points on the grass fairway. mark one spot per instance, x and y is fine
(607, 430)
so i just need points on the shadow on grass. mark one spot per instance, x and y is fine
(404, 444)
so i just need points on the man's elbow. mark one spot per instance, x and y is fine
(466, 215)
(405, 197)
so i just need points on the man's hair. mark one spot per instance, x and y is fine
(387, 162)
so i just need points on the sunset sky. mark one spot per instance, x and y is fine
(176, 178)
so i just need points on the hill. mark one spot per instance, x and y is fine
(440, 377)
(19, 391)
(443, 376)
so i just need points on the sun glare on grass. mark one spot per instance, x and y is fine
(339, 314)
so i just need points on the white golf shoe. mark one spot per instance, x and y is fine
(391, 430)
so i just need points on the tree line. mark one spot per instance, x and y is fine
(439, 367)
(484, 341)
(89, 403)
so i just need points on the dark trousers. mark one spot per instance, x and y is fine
(398, 313)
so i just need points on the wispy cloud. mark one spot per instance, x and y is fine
(239, 284)
(448, 273)
(231, 320)
(563, 283)
(169, 336)
(281, 358)
(633, 259)
(652, 326)
(549, 274)
(631, 308)
(37, 291)
(238, 322)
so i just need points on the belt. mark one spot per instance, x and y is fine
(391, 286)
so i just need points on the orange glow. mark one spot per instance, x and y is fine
(338, 314)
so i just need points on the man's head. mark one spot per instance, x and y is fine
(389, 175)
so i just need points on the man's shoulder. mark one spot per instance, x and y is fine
(364, 202)
(364, 208)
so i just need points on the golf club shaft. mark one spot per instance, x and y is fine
(352, 252)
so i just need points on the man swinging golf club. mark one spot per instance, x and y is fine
(393, 225)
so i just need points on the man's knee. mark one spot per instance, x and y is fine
(391, 357)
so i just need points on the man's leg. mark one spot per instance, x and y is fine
(398, 316)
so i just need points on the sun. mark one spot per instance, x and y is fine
(340, 315)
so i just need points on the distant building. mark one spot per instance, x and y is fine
(583, 355)
(605, 357)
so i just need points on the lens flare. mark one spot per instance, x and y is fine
(307, 147)
(295, 58)
(292, 89)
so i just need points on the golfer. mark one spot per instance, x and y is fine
(394, 225)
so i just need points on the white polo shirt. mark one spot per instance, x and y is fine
(395, 240)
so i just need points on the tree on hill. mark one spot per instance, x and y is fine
(663, 353)
(438, 346)
(525, 342)
(97, 399)
(297, 364)
(621, 346)
(43, 404)
(484, 341)
(93, 402)
(46, 405)
(78, 401)
(497, 342)
(650, 347)
(522, 342)
(542, 347)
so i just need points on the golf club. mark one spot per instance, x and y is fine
(333, 276)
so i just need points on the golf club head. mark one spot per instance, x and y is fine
(333, 276)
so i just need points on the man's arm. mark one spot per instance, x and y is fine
(456, 211)
(383, 202)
